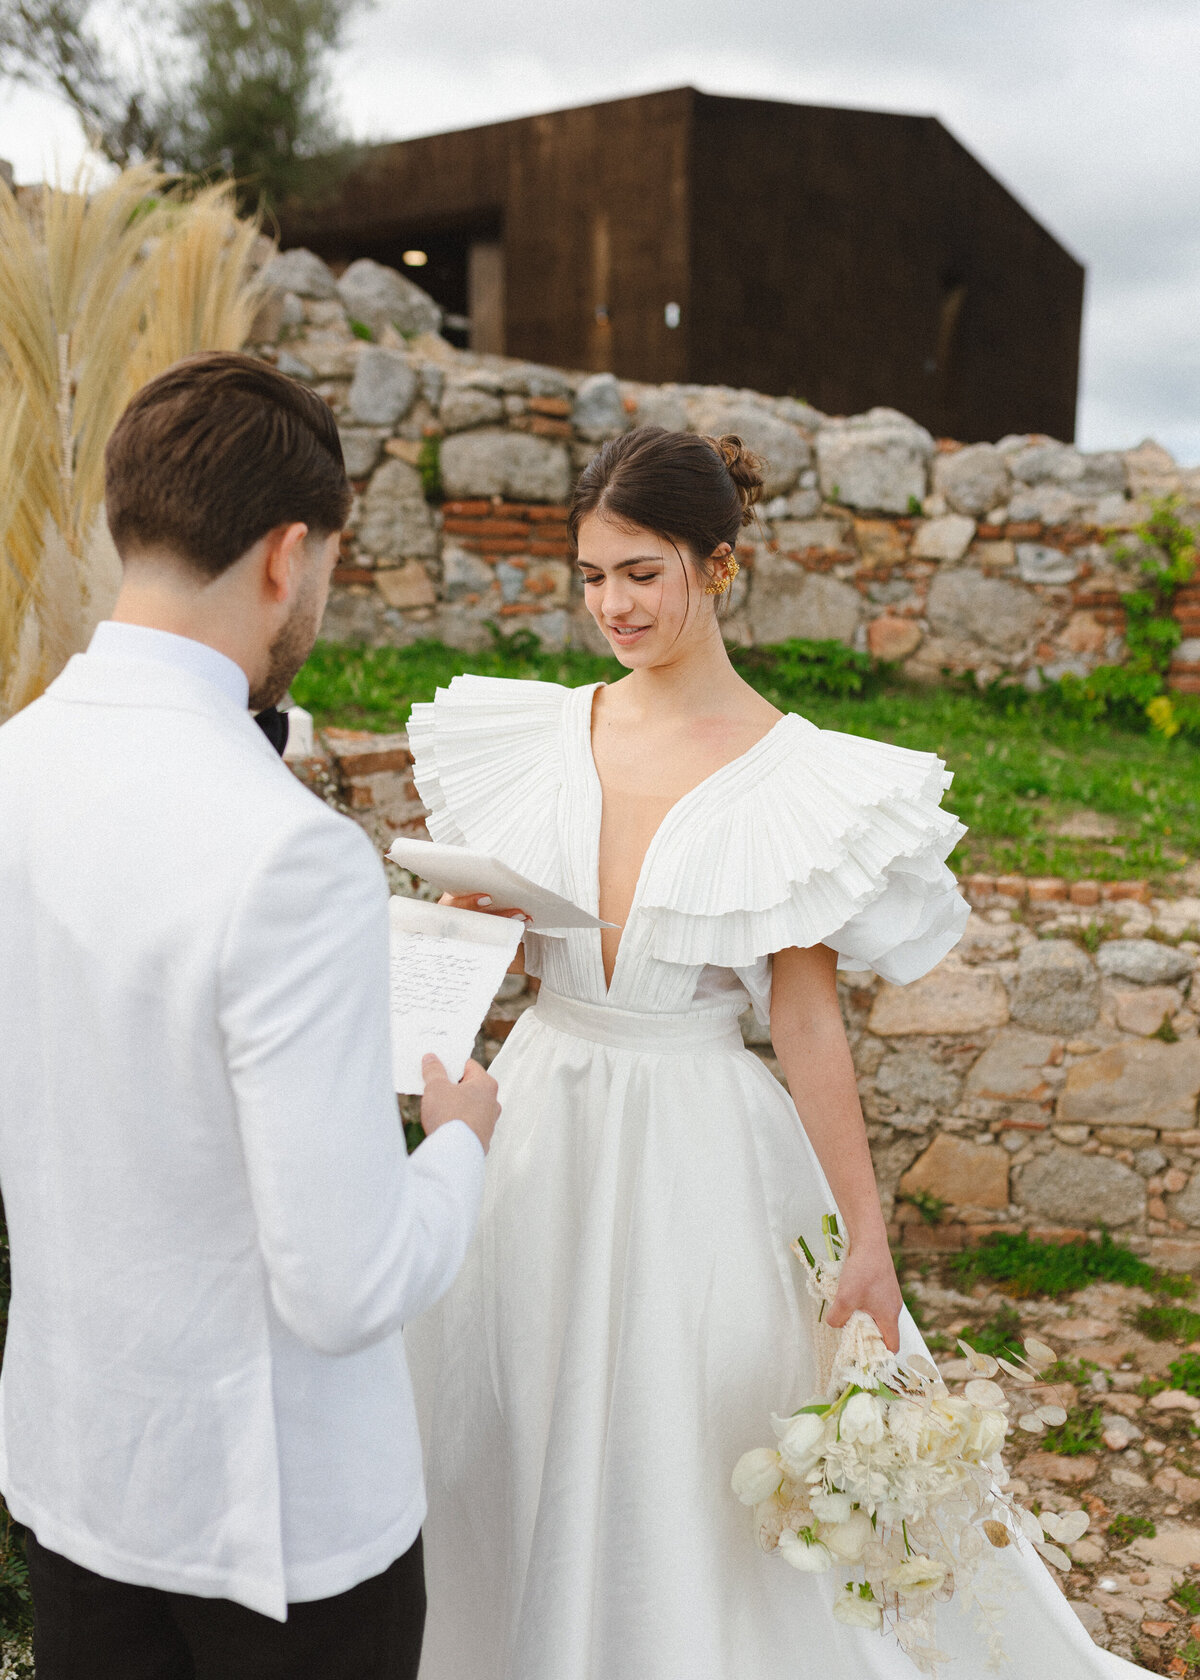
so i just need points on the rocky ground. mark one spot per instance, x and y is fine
(1136, 1581)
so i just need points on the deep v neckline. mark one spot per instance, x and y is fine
(669, 820)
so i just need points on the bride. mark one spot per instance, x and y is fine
(629, 1313)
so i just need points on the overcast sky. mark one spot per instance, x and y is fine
(1086, 109)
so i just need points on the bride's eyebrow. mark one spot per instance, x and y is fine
(638, 560)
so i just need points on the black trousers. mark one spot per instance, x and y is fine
(87, 1627)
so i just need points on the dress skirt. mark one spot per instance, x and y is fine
(628, 1317)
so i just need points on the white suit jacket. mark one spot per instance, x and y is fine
(216, 1233)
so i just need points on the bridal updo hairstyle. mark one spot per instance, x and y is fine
(686, 488)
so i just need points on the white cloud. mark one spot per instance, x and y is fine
(38, 135)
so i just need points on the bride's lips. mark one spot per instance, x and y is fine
(627, 634)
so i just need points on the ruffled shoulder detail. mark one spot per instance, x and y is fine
(488, 763)
(814, 837)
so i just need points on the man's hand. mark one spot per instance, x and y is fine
(472, 1100)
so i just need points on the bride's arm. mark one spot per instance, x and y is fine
(810, 1041)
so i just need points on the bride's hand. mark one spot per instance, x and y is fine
(481, 901)
(869, 1284)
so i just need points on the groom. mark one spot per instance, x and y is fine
(206, 1421)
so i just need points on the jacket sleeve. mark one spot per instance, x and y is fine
(356, 1236)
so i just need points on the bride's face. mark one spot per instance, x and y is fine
(646, 595)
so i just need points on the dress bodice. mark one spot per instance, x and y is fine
(809, 837)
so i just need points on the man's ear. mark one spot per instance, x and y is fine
(281, 561)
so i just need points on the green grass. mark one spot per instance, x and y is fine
(1076, 1371)
(1021, 768)
(1124, 1528)
(1187, 1593)
(1081, 1433)
(1167, 1324)
(373, 688)
(1000, 1335)
(1027, 1266)
(1183, 1373)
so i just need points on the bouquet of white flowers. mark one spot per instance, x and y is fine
(898, 1480)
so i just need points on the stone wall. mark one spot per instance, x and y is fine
(985, 557)
(1028, 1082)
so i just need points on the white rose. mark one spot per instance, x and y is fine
(917, 1574)
(800, 1441)
(862, 1420)
(809, 1556)
(848, 1538)
(770, 1519)
(756, 1475)
(831, 1507)
(946, 1422)
(855, 1611)
(959, 1415)
(987, 1433)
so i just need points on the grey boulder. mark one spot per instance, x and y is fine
(300, 272)
(383, 387)
(381, 297)
(1078, 1189)
(1057, 990)
(598, 411)
(395, 521)
(491, 462)
(877, 461)
(973, 480)
(1144, 961)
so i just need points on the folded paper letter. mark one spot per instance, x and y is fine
(456, 870)
(446, 967)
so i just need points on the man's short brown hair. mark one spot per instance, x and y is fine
(216, 452)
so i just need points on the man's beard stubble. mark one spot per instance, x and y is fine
(287, 652)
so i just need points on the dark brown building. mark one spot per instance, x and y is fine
(847, 257)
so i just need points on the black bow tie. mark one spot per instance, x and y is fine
(274, 725)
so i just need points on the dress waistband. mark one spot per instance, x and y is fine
(626, 1029)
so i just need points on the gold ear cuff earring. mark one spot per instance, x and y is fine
(719, 585)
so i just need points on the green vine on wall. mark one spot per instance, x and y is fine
(429, 465)
(1165, 554)
(1166, 558)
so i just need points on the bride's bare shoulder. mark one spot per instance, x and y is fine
(745, 718)
(758, 712)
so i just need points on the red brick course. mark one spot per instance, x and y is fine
(456, 525)
(542, 425)
(1047, 889)
(500, 529)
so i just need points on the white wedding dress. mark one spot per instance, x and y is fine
(629, 1313)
